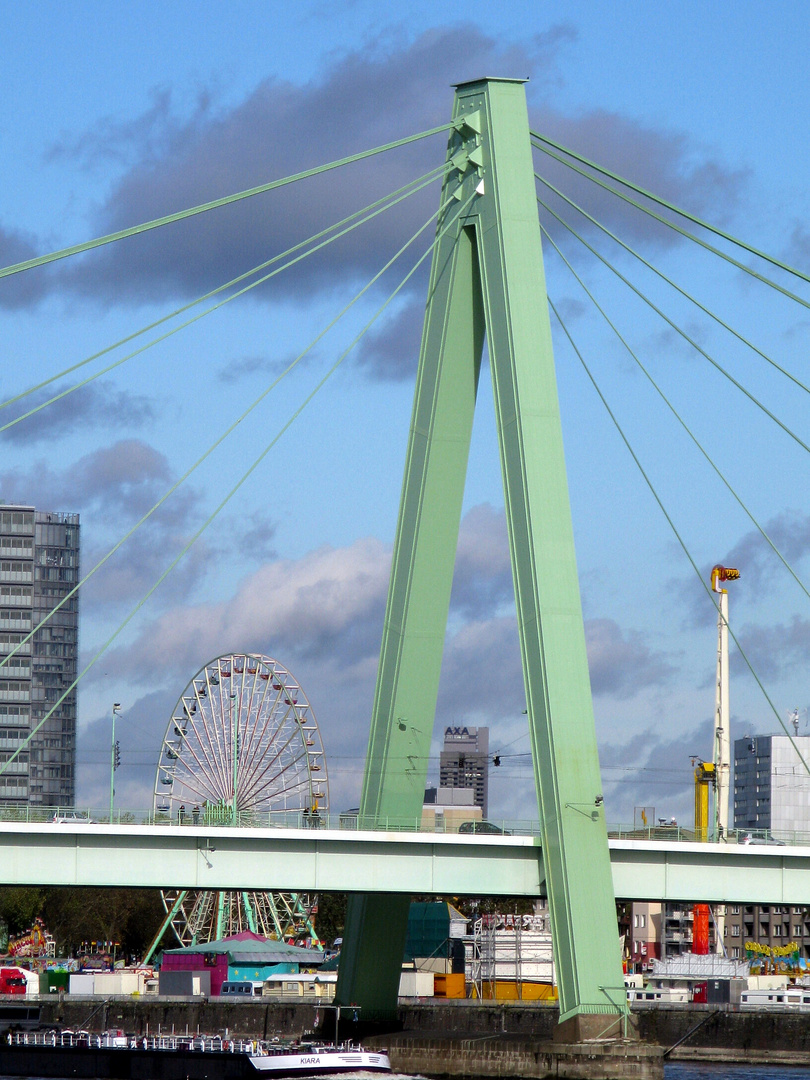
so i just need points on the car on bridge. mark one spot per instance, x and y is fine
(486, 828)
(71, 817)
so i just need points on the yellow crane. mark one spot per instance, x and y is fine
(714, 775)
(705, 779)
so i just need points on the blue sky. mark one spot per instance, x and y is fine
(123, 112)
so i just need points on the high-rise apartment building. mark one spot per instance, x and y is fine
(771, 784)
(39, 565)
(464, 762)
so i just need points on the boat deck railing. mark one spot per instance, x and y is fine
(118, 1040)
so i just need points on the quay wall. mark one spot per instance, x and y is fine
(515, 1056)
(663, 1025)
(465, 1039)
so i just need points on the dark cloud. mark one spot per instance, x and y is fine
(112, 488)
(620, 662)
(389, 88)
(654, 770)
(245, 367)
(20, 290)
(570, 310)
(798, 251)
(666, 163)
(482, 674)
(93, 406)
(797, 330)
(278, 130)
(759, 566)
(256, 537)
(126, 142)
(754, 557)
(140, 562)
(321, 615)
(263, 370)
(324, 612)
(668, 342)
(329, 602)
(483, 575)
(391, 350)
(126, 477)
(774, 650)
(139, 730)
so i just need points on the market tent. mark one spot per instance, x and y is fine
(250, 948)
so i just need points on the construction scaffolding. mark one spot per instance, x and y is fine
(510, 956)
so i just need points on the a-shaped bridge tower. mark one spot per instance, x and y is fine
(487, 281)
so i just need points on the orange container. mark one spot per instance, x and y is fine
(449, 986)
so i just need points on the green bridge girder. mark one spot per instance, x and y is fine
(487, 280)
(338, 860)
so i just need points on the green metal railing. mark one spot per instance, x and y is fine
(283, 819)
(350, 821)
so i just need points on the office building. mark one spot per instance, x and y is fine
(772, 785)
(39, 565)
(464, 762)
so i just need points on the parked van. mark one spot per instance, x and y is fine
(241, 989)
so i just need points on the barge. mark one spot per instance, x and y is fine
(114, 1055)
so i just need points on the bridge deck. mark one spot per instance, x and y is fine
(332, 860)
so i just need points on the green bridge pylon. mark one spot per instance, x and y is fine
(487, 279)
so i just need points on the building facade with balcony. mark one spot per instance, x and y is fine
(771, 925)
(39, 565)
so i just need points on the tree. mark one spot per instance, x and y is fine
(130, 917)
(331, 917)
(19, 906)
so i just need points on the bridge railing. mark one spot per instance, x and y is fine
(351, 821)
(214, 817)
(674, 832)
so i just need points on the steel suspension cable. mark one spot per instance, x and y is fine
(338, 230)
(665, 203)
(76, 249)
(674, 529)
(249, 472)
(679, 418)
(673, 284)
(719, 367)
(683, 232)
(217, 442)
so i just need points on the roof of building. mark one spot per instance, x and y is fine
(250, 948)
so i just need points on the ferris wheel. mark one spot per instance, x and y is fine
(242, 747)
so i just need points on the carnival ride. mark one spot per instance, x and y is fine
(242, 746)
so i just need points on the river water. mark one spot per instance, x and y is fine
(680, 1071)
(675, 1071)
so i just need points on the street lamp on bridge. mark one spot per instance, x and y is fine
(115, 756)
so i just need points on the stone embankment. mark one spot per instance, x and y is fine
(473, 1039)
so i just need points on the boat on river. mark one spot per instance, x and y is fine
(114, 1055)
